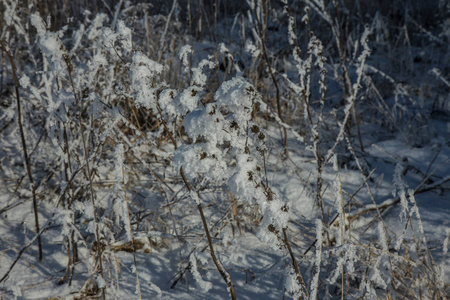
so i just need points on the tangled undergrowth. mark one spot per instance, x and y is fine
(262, 148)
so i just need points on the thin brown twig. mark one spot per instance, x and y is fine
(6, 275)
(262, 36)
(226, 276)
(24, 146)
(131, 233)
(86, 158)
(300, 280)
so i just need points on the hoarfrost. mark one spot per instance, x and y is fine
(335, 163)
(198, 77)
(375, 276)
(291, 284)
(206, 123)
(445, 244)
(167, 103)
(401, 188)
(184, 56)
(319, 242)
(252, 49)
(242, 182)
(50, 44)
(143, 71)
(201, 160)
(10, 12)
(100, 281)
(119, 42)
(95, 30)
(205, 286)
(126, 221)
(188, 100)
(119, 165)
(382, 235)
(195, 197)
(441, 271)
(64, 217)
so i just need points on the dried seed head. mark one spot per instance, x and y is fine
(272, 228)
(67, 60)
(260, 150)
(269, 194)
(86, 93)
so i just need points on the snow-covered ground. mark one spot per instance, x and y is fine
(242, 159)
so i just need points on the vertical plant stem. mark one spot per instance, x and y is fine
(166, 27)
(226, 276)
(71, 242)
(262, 35)
(88, 170)
(131, 233)
(319, 183)
(300, 280)
(189, 16)
(349, 91)
(24, 146)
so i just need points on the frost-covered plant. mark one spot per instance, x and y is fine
(228, 149)
(223, 131)
(78, 119)
(129, 138)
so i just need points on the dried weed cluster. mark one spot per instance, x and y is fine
(145, 127)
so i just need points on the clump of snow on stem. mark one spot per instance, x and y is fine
(50, 44)
(400, 187)
(198, 77)
(118, 42)
(184, 53)
(101, 283)
(202, 161)
(205, 286)
(143, 71)
(252, 49)
(291, 284)
(187, 100)
(96, 28)
(64, 217)
(237, 95)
